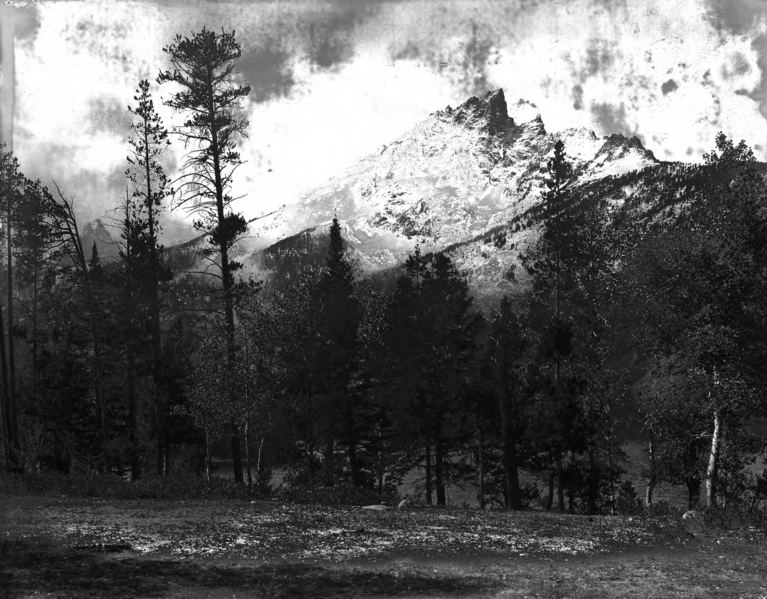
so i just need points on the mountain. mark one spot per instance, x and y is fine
(105, 243)
(451, 183)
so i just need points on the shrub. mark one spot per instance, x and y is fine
(112, 487)
(660, 508)
(342, 494)
(627, 501)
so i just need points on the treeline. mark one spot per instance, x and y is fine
(353, 383)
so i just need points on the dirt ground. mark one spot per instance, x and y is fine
(75, 548)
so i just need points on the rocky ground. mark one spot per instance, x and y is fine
(66, 547)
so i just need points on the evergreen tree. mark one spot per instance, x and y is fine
(507, 348)
(340, 322)
(143, 254)
(433, 340)
(204, 67)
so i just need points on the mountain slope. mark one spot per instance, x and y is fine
(454, 177)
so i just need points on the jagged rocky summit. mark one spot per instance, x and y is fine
(451, 179)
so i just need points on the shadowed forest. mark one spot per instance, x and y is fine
(650, 313)
(131, 371)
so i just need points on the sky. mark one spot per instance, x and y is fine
(333, 81)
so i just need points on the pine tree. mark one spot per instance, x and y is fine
(141, 229)
(204, 67)
(11, 180)
(340, 316)
(507, 349)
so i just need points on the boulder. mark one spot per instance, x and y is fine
(691, 515)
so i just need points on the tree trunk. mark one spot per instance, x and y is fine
(4, 433)
(310, 452)
(154, 306)
(511, 466)
(481, 452)
(135, 472)
(352, 444)
(11, 353)
(97, 382)
(258, 460)
(594, 475)
(428, 473)
(8, 416)
(247, 453)
(34, 328)
(166, 456)
(236, 452)
(713, 461)
(439, 469)
(207, 455)
(513, 494)
(653, 474)
(160, 449)
(550, 499)
(329, 462)
(693, 492)
(560, 486)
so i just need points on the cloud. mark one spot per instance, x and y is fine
(668, 87)
(736, 17)
(109, 115)
(760, 92)
(578, 96)
(461, 54)
(267, 68)
(612, 119)
(741, 17)
(599, 58)
(330, 32)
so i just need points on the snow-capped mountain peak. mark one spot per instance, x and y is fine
(453, 177)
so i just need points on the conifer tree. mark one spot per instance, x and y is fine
(341, 319)
(144, 258)
(204, 68)
(87, 275)
(508, 346)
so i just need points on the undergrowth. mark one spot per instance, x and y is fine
(112, 487)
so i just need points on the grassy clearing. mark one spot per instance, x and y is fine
(147, 548)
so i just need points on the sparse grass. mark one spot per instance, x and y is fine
(76, 548)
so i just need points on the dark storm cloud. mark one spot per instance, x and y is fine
(330, 32)
(267, 70)
(668, 87)
(109, 115)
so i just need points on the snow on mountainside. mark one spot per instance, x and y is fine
(456, 175)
